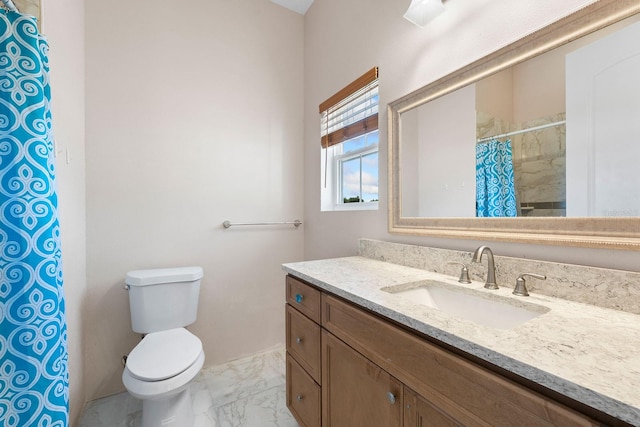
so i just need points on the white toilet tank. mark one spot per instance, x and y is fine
(164, 298)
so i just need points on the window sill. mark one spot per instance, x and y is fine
(370, 206)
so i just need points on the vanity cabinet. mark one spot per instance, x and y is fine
(376, 373)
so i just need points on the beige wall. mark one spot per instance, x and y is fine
(63, 24)
(409, 57)
(194, 116)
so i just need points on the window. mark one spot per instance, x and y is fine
(349, 140)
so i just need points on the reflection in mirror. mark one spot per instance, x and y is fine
(438, 173)
(566, 122)
(571, 116)
(30, 7)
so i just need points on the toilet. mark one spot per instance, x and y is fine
(159, 369)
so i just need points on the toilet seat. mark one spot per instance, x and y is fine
(164, 354)
(155, 390)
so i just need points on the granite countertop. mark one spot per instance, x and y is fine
(587, 353)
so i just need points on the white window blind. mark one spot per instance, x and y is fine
(351, 112)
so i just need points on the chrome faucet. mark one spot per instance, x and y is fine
(490, 283)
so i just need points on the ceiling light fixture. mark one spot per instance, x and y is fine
(420, 12)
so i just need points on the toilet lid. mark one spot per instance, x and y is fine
(164, 354)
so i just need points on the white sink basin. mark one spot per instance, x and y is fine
(477, 306)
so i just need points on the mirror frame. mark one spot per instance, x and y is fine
(598, 232)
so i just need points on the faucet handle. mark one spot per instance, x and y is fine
(464, 272)
(521, 284)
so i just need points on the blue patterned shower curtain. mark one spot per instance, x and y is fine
(495, 189)
(34, 379)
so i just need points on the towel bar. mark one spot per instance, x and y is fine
(295, 223)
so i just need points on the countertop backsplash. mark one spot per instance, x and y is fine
(614, 289)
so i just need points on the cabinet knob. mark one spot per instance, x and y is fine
(299, 397)
(391, 397)
(299, 298)
(299, 340)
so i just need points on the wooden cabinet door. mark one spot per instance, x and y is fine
(419, 412)
(303, 342)
(355, 391)
(304, 298)
(303, 395)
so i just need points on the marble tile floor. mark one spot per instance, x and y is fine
(248, 392)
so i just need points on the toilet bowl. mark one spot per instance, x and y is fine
(159, 370)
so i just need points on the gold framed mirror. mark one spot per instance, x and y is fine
(614, 228)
